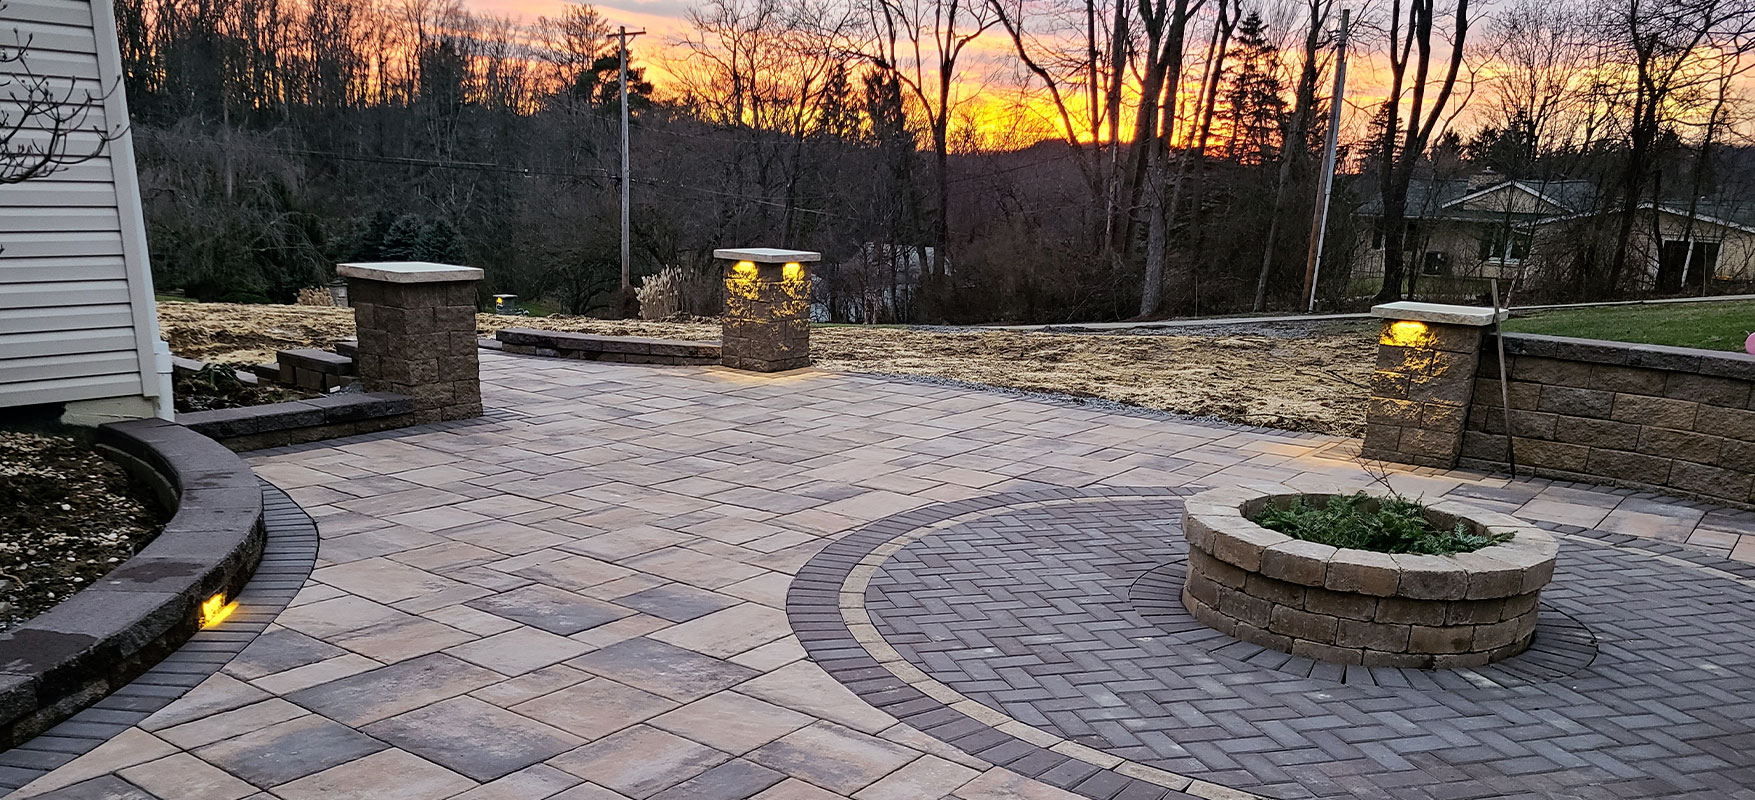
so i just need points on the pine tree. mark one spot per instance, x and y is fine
(403, 241)
(1255, 103)
(439, 243)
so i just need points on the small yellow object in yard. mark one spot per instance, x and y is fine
(215, 609)
(1405, 333)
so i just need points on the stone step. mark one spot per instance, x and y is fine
(591, 347)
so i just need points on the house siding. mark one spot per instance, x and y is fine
(76, 306)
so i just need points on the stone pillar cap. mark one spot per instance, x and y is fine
(1438, 312)
(408, 272)
(766, 255)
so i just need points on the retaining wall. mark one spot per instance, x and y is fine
(1674, 420)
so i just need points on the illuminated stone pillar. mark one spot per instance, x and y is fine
(1427, 355)
(766, 327)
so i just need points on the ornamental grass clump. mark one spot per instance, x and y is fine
(1384, 525)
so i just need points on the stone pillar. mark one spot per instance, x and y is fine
(766, 327)
(1427, 355)
(416, 326)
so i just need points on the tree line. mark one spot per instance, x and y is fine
(1157, 156)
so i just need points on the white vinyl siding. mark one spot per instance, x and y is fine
(75, 291)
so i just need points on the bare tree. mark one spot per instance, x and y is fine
(1406, 133)
(47, 124)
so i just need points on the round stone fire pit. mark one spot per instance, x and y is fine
(1358, 606)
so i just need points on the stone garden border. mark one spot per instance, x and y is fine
(103, 637)
(300, 421)
(1361, 607)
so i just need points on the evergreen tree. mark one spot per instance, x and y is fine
(439, 243)
(1255, 103)
(403, 241)
(837, 112)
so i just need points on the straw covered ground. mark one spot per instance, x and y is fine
(1296, 376)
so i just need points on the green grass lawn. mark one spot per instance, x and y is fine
(1709, 326)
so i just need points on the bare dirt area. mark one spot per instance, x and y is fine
(1294, 376)
(70, 516)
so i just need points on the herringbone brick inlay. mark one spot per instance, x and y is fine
(1642, 686)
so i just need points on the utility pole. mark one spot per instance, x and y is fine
(1326, 183)
(622, 89)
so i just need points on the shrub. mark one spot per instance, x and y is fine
(1362, 522)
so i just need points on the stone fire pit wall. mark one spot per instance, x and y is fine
(766, 326)
(1361, 607)
(417, 337)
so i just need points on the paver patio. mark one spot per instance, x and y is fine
(584, 596)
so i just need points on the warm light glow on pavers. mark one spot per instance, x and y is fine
(583, 594)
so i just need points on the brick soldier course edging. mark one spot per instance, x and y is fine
(1025, 666)
(1357, 606)
(112, 631)
(288, 554)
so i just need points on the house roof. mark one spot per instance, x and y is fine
(1443, 199)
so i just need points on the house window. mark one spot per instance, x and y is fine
(1504, 243)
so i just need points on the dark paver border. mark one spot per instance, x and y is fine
(287, 556)
(814, 611)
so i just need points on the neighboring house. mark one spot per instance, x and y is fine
(78, 323)
(1488, 227)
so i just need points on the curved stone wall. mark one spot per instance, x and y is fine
(99, 639)
(1357, 606)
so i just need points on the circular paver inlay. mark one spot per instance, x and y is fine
(1040, 631)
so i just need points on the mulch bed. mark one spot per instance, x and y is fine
(68, 515)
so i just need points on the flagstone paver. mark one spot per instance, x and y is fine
(582, 595)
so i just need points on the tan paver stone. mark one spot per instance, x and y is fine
(769, 589)
(834, 757)
(387, 775)
(464, 618)
(531, 685)
(639, 761)
(446, 555)
(509, 538)
(731, 722)
(574, 572)
(186, 777)
(125, 749)
(518, 651)
(803, 686)
(434, 520)
(474, 738)
(215, 695)
(1544, 510)
(907, 736)
(926, 776)
(382, 580)
(335, 616)
(532, 783)
(685, 565)
(387, 691)
(595, 708)
(401, 639)
(287, 751)
(229, 724)
(729, 632)
(626, 543)
(772, 655)
(589, 791)
(310, 675)
(1650, 526)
